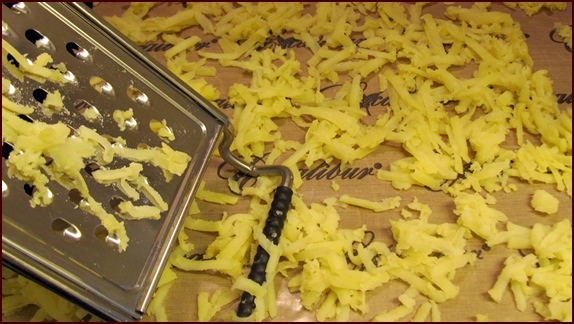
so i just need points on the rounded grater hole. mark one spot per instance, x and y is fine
(5, 29)
(40, 95)
(91, 167)
(112, 140)
(17, 7)
(13, 93)
(73, 132)
(39, 40)
(66, 229)
(131, 123)
(162, 130)
(102, 234)
(12, 60)
(101, 85)
(87, 110)
(6, 150)
(137, 96)
(48, 159)
(29, 189)
(4, 189)
(143, 146)
(75, 196)
(26, 118)
(78, 52)
(115, 203)
(68, 75)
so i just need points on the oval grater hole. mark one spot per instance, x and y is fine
(6, 150)
(68, 75)
(12, 60)
(101, 85)
(91, 167)
(87, 110)
(48, 159)
(26, 118)
(17, 7)
(113, 141)
(143, 146)
(75, 196)
(39, 40)
(4, 189)
(73, 132)
(115, 203)
(13, 93)
(161, 129)
(66, 229)
(78, 52)
(29, 189)
(131, 123)
(5, 29)
(40, 95)
(102, 234)
(137, 96)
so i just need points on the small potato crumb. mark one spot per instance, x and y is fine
(123, 118)
(335, 186)
(544, 202)
(162, 130)
(481, 318)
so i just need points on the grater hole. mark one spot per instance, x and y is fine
(115, 203)
(39, 40)
(4, 189)
(137, 96)
(40, 95)
(48, 159)
(66, 229)
(101, 85)
(13, 93)
(113, 141)
(6, 150)
(29, 189)
(17, 7)
(131, 123)
(26, 118)
(87, 110)
(143, 146)
(5, 29)
(91, 167)
(78, 52)
(75, 196)
(73, 132)
(70, 77)
(102, 234)
(12, 60)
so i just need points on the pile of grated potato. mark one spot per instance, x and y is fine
(449, 123)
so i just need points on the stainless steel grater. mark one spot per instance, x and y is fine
(65, 248)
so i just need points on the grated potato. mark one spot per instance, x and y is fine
(544, 202)
(455, 153)
(452, 127)
(123, 117)
(36, 142)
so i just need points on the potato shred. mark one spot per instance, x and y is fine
(466, 105)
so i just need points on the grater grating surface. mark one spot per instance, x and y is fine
(60, 245)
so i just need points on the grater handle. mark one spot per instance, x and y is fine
(275, 219)
(272, 230)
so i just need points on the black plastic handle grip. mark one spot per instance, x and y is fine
(272, 230)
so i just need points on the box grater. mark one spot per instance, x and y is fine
(63, 247)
